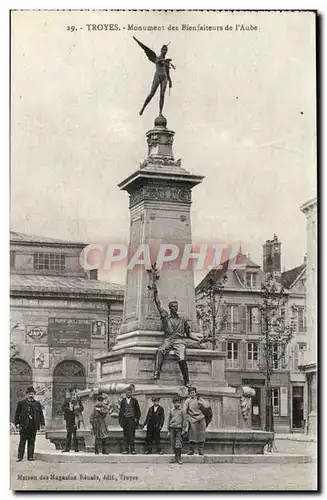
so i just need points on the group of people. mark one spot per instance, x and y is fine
(190, 418)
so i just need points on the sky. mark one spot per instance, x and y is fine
(243, 107)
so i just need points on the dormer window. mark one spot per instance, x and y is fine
(251, 280)
(43, 261)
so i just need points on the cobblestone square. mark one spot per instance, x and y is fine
(214, 477)
(217, 477)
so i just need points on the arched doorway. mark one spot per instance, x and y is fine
(20, 378)
(66, 374)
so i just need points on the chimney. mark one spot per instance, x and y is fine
(92, 274)
(272, 256)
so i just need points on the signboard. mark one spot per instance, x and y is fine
(283, 401)
(69, 332)
(253, 381)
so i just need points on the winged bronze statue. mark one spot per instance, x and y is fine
(161, 76)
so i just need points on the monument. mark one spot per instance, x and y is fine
(160, 197)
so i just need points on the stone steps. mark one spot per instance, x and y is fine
(114, 458)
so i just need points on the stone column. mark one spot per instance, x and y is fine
(159, 202)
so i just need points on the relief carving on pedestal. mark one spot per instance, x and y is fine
(161, 162)
(169, 193)
(153, 140)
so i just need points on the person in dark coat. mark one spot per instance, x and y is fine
(29, 419)
(71, 407)
(99, 425)
(129, 416)
(154, 422)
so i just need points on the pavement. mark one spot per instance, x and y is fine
(46, 476)
(296, 436)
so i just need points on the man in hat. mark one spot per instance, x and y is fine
(29, 419)
(71, 408)
(129, 416)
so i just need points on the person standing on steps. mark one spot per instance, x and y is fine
(154, 422)
(70, 408)
(129, 416)
(177, 424)
(29, 419)
(197, 421)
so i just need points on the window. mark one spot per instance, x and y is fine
(49, 262)
(276, 360)
(301, 348)
(232, 355)
(12, 258)
(253, 320)
(232, 318)
(300, 320)
(275, 400)
(253, 355)
(251, 280)
(282, 315)
(278, 356)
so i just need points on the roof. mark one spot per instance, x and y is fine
(250, 263)
(32, 239)
(289, 277)
(63, 284)
(216, 274)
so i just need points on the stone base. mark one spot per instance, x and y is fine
(224, 442)
(136, 365)
(270, 458)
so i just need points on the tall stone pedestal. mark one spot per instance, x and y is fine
(159, 202)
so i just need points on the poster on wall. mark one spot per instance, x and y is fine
(41, 357)
(99, 330)
(69, 332)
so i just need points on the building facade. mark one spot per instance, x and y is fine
(61, 316)
(308, 365)
(241, 337)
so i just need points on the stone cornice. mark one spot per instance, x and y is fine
(309, 206)
(28, 294)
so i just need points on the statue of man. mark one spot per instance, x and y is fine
(177, 330)
(161, 76)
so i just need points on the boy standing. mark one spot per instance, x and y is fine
(154, 422)
(129, 416)
(177, 423)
